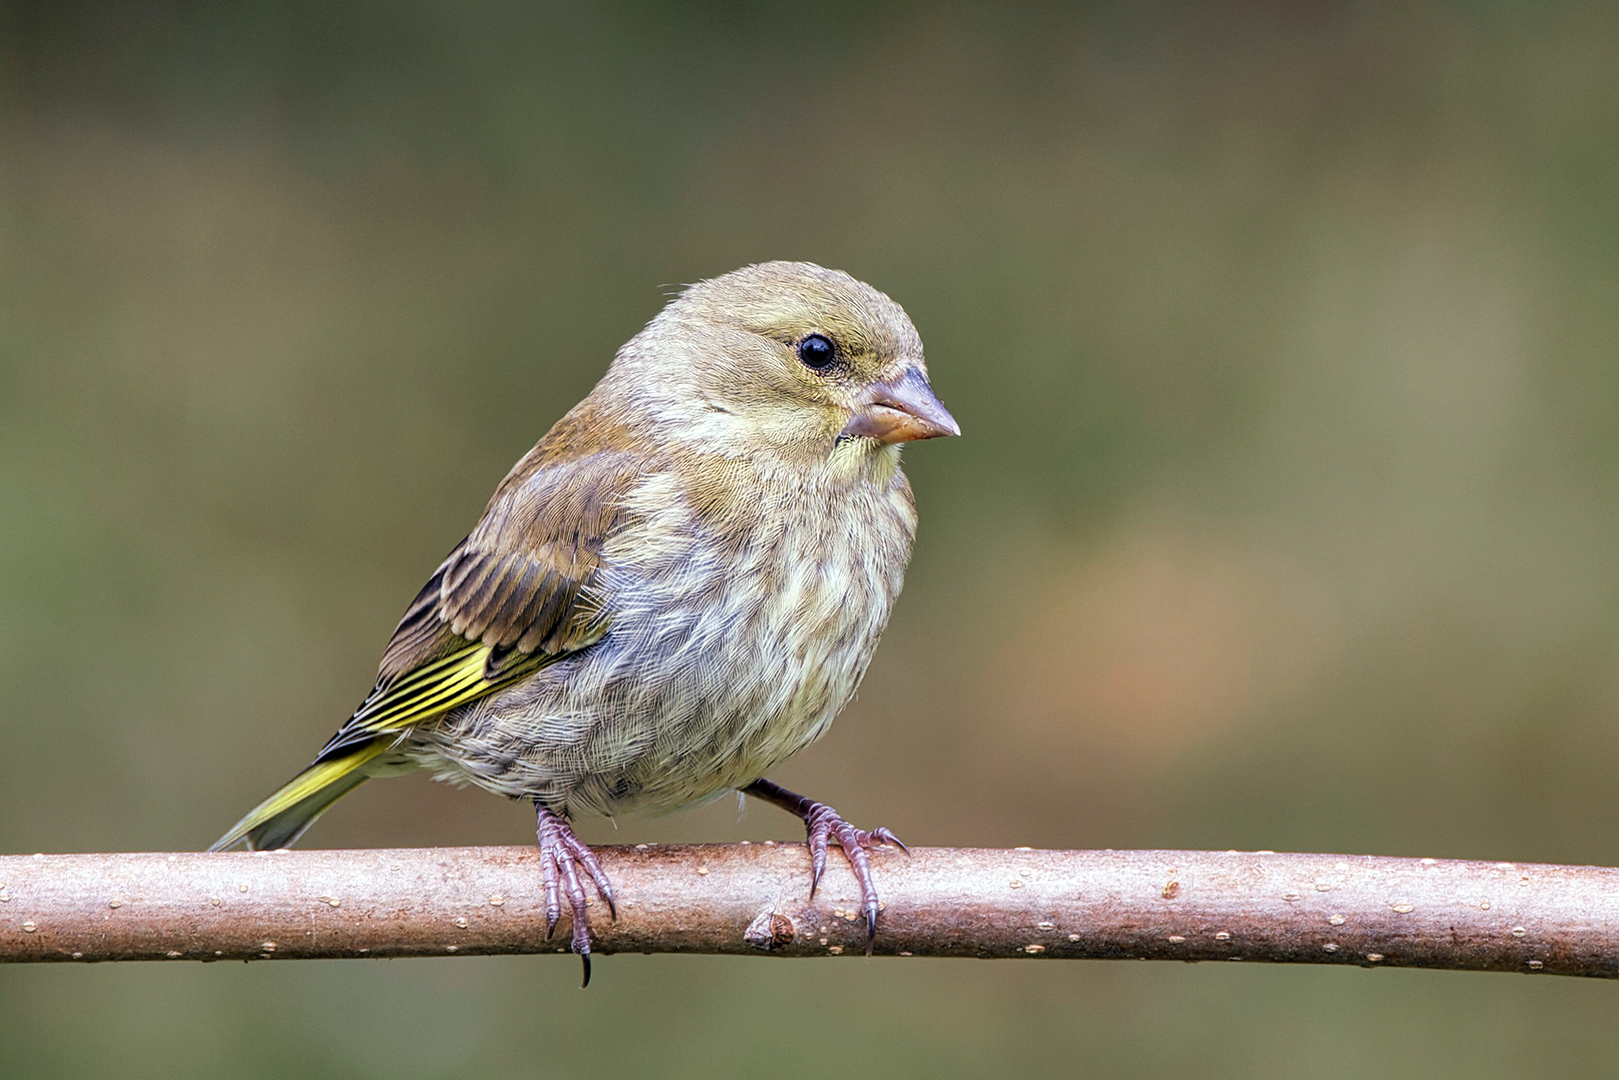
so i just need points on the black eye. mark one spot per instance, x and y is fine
(817, 352)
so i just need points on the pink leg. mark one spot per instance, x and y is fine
(823, 824)
(561, 855)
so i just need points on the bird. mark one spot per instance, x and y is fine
(676, 589)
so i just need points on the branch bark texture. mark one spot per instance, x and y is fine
(1255, 907)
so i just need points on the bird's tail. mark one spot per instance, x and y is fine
(280, 820)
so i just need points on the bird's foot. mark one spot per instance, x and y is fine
(822, 824)
(562, 855)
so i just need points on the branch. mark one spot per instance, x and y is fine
(752, 898)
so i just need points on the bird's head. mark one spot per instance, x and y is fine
(787, 357)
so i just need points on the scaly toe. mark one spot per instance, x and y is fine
(562, 855)
(823, 824)
(881, 835)
(587, 858)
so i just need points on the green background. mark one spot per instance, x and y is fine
(1285, 339)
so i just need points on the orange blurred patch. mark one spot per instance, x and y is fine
(1158, 643)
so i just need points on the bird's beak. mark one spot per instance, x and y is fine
(903, 409)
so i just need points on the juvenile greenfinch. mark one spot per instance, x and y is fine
(677, 588)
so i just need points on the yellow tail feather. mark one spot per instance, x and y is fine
(279, 820)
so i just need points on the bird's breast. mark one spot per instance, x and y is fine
(788, 575)
(755, 609)
(743, 612)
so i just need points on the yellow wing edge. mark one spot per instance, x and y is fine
(419, 697)
(282, 818)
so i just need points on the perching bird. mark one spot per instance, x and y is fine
(677, 588)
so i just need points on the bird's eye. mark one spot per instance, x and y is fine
(817, 352)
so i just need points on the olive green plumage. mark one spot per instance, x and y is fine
(680, 585)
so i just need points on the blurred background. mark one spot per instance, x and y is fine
(1285, 338)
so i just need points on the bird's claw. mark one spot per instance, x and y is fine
(562, 854)
(823, 824)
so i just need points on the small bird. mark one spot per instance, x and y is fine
(680, 586)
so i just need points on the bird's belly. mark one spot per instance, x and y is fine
(750, 685)
(714, 671)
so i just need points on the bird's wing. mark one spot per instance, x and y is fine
(519, 593)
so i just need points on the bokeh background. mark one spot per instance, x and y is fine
(1285, 338)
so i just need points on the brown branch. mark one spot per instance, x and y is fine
(752, 898)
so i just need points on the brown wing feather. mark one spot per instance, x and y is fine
(522, 579)
(523, 583)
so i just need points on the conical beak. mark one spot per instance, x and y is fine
(903, 409)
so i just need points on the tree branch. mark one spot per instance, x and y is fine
(753, 898)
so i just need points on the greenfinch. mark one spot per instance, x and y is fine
(680, 585)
